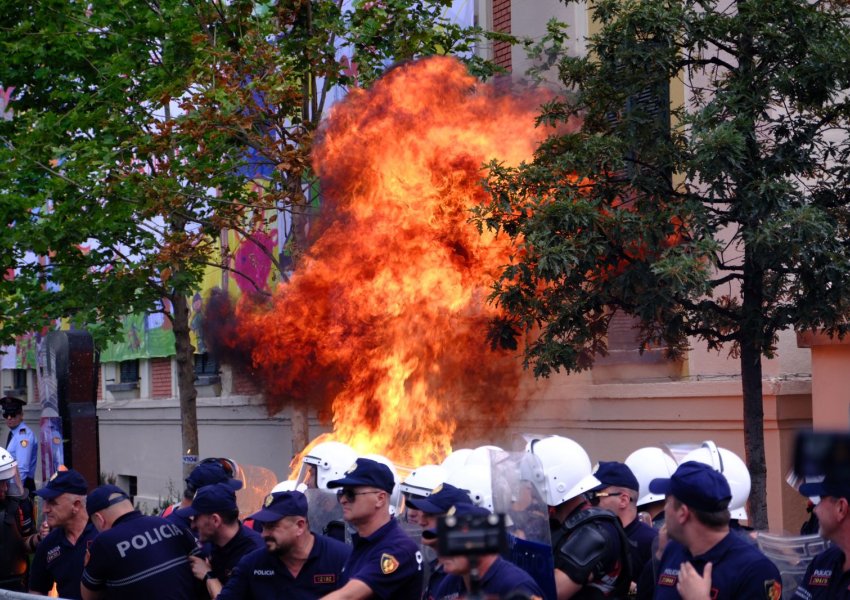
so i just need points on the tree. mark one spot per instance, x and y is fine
(729, 227)
(140, 131)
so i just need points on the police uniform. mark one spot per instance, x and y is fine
(388, 561)
(24, 447)
(141, 558)
(825, 579)
(642, 537)
(261, 575)
(224, 559)
(501, 579)
(592, 549)
(739, 571)
(59, 561)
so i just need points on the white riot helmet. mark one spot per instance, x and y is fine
(290, 485)
(474, 475)
(423, 480)
(9, 474)
(456, 459)
(325, 462)
(647, 464)
(566, 466)
(733, 469)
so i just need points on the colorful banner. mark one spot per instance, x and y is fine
(144, 336)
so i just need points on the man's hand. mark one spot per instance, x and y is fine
(200, 566)
(691, 585)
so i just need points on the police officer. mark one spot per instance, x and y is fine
(21, 442)
(496, 576)
(210, 471)
(385, 562)
(60, 557)
(591, 549)
(618, 492)
(295, 564)
(828, 575)
(703, 558)
(135, 557)
(16, 527)
(215, 519)
(428, 510)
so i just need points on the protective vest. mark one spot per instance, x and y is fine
(591, 518)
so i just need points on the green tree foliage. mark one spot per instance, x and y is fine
(725, 222)
(137, 131)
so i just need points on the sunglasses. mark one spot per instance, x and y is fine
(595, 496)
(350, 495)
(6, 415)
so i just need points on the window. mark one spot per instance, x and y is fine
(206, 369)
(19, 379)
(206, 364)
(128, 371)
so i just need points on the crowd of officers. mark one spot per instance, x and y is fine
(612, 535)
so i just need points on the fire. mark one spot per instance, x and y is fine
(384, 322)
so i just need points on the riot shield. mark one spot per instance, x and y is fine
(518, 491)
(324, 514)
(791, 555)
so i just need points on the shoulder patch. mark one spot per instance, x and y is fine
(772, 589)
(24, 443)
(389, 564)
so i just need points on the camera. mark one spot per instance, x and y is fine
(819, 454)
(471, 535)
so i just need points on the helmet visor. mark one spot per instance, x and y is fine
(10, 483)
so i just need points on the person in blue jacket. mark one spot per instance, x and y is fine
(60, 556)
(296, 564)
(135, 557)
(21, 442)
(215, 519)
(496, 577)
(385, 563)
(828, 575)
(703, 558)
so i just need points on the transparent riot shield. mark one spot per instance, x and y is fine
(324, 514)
(791, 555)
(518, 491)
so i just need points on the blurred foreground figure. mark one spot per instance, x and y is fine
(16, 526)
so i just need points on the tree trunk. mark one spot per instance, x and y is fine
(751, 383)
(297, 246)
(184, 354)
(751, 335)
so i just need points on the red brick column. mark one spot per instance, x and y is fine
(502, 23)
(161, 378)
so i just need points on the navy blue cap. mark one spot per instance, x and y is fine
(440, 500)
(459, 510)
(215, 498)
(100, 499)
(64, 482)
(830, 486)
(697, 485)
(11, 404)
(278, 505)
(366, 472)
(615, 474)
(210, 473)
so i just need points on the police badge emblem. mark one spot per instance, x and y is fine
(389, 564)
(269, 499)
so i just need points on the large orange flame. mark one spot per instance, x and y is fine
(385, 320)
